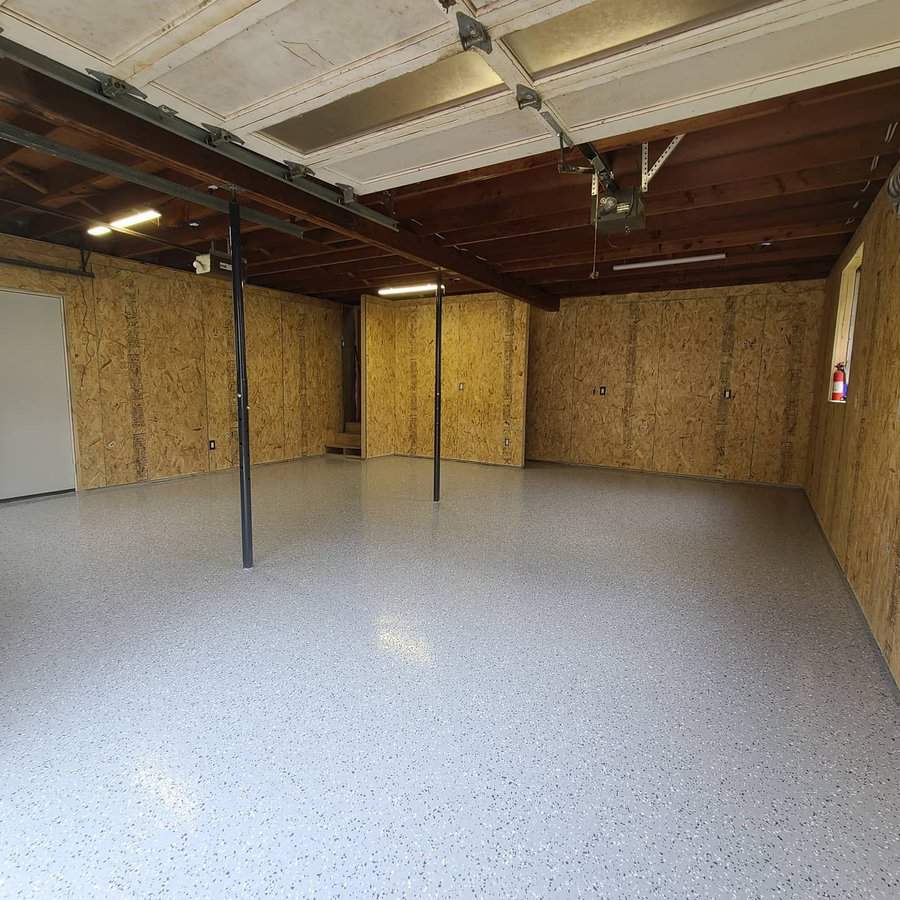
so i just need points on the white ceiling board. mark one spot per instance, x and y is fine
(758, 60)
(108, 31)
(460, 144)
(249, 64)
(293, 46)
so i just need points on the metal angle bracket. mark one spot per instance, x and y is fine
(112, 87)
(348, 195)
(219, 135)
(527, 97)
(473, 34)
(297, 170)
(648, 171)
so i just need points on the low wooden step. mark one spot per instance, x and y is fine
(343, 439)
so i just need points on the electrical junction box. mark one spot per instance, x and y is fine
(215, 265)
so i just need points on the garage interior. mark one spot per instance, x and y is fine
(450, 448)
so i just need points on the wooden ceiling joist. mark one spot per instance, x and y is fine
(778, 186)
(63, 105)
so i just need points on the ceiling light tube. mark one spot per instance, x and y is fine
(407, 289)
(99, 230)
(138, 218)
(652, 264)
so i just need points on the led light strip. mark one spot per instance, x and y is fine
(654, 263)
(408, 289)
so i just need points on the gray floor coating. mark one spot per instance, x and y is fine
(564, 682)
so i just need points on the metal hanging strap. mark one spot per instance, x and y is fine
(648, 171)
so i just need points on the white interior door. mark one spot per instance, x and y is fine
(36, 451)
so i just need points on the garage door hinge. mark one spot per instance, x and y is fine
(219, 135)
(473, 34)
(113, 87)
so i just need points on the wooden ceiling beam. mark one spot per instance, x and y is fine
(673, 281)
(574, 194)
(570, 240)
(704, 218)
(744, 256)
(64, 105)
(439, 213)
(840, 230)
(337, 257)
(824, 105)
(823, 245)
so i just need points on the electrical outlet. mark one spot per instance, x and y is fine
(727, 395)
(461, 385)
(600, 390)
(506, 442)
(212, 445)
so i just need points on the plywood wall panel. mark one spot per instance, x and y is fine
(551, 381)
(597, 436)
(787, 376)
(219, 366)
(321, 361)
(121, 378)
(484, 351)
(687, 406)
(853, 477)
(487, 353)
(151, 366)
(453, 374)
(380, 329)
(292, 381)
(84, 384)
(665, 360)
(173, 367)
(414, 383)
(265, 372)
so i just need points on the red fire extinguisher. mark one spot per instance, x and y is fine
(839, 383)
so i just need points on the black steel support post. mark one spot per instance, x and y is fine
(243, 406)
(438, 314)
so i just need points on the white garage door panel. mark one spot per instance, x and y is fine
(36, 454)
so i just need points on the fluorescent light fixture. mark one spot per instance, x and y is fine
(138, 218)
(407, 289)
(652, 264)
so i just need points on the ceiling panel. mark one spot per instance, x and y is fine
(91, 24)
(460, 141)
(448, 82)
(294, 46)
(607, 25)
(719, 69)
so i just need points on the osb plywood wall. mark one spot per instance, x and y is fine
(638, 381)
(854, 473)
(484, 351)
(378, 324)
(151, 367)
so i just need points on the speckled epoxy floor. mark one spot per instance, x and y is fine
(562, 683)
